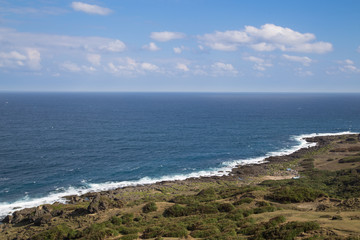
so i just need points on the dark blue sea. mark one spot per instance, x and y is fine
(56, 144)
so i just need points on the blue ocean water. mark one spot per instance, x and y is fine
(53, 144)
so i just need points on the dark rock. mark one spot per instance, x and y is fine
(57, 213)
(45, 219)
(23, 215)
(321, 207)
(8, 219)
(39, 213)
(97, 204)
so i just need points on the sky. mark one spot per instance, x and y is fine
(180, 45)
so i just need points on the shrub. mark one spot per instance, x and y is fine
(307, 163)
(225, 207)
(130, 237)
(206, 195)
(99, 231)
(233, 191)
(235, 215)
(288, 231)
(351, 159)
(127, 218)
(354, 149)
(128, 230)
(243, 200)
(203, 209)
(209, 231)
(175, 231)
(59, 232)
(338, 150)
(295, 194)
(116, 221)
(152, 232)
(264, 209)
(149, 207)
(262, 204)
(175, 211)
(337, 217)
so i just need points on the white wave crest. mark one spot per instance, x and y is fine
(26, 202)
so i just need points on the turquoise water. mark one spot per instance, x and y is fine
(55, 144)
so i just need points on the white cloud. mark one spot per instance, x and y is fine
(348, 66)
(89, 8)
(220, 68)
(34, 58)
(225, 41)
(303, 73)
(73, 67)
(166, 36)
(58, 44)
(149, 67)
(268, 37)
(94, 59)
(304, 60)
(130, 67)
(13, 55)
(114, 46)
(182, 67)
(260, 64)
(31, 58)
(178, 50)
(358, 49)
(151, 47)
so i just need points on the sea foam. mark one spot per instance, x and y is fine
(7, 208)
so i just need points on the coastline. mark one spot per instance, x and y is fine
(232, 171)
(316, 187)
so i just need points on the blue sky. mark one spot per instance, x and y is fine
(180, 45)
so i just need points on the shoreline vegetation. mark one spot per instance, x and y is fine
(313, 193)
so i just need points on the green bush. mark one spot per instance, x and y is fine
(262, 204)
(264, 209)
(225, 207)
(354, 149)
(307, 163)
(116, 221)
(234, 191)
(99, 231)
(130, 237)
(235, 215)
(203, 209)
(128, 230)
(209, 231)
(59, 232)
(153, 232)
(207, 195)
(175, 211)
(294, 194)
(288, 231)
(127, 218)
(244, 200)
(149, 207)
(175, 231)
(351, 159)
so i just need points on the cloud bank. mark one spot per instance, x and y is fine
(268, 37)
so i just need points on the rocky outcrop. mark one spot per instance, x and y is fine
(104, 202)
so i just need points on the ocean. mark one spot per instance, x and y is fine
(57, 144)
